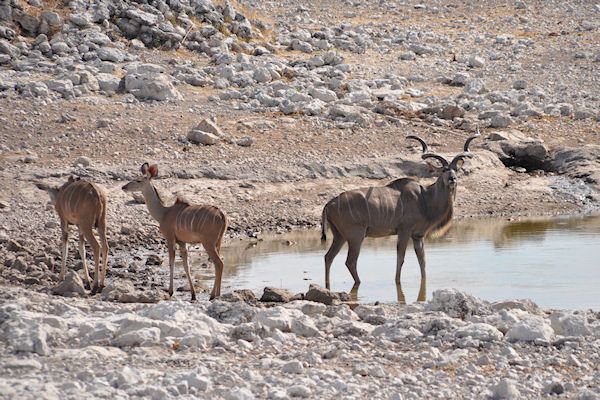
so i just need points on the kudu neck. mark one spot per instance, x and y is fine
(156, 208)
(440, 196)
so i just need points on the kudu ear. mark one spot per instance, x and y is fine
(153, 170)
(52, 190)
(459, 163)
(144, 168)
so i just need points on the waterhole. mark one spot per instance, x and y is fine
(553, 261)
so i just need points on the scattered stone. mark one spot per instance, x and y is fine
(209, 126)
(245, 141)
(201, 137)
(505, 389)
(320, 294)
(276, 295)
(71, 286)
(82, 161)
(151, 86)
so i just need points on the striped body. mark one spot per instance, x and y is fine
(82, 203)
(384, 210)
(193, 222)
(75, 196)
(403, 207)
(184, 223)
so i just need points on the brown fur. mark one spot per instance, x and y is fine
(82, 203)
(403, 207)
(183, 223)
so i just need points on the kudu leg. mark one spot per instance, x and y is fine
(103, 252)
(91, 239)
(64, 247)
(218, 262)
(420, 252)
(422, 296)
(400, 252)
(86, 274)
(334, 249)
(184, 256)
(171, 250)
(352, 258)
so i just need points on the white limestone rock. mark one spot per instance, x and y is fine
(151, 86)
(479, 331)
(457, 304)
(280, 318)
(140, 337)
(530, 329)
(505, 389)
(570, 323)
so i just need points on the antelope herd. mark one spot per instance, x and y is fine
(403, 207)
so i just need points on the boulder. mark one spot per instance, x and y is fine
(142, 17)
(245, 295)
(581, 162)
(62, 86)
(28, 23)
(514, 149)
(151, 86)
(320, 294)
(71, 286)
(276, 295)
(570, 323)
(480, 331)
(111, 54)
(529, 330)
(7, 48)
(279, 318)
(82, 20)
(108, 82)
(209, 126)
(458, 304)
(116, 289)
(323, 94)
(201, 137)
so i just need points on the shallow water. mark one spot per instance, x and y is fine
(553, 261)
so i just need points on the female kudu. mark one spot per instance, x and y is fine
(83, 204)
(183, 223)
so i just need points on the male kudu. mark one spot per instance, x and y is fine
(403, 207)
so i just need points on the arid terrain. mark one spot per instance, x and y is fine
(267, 110)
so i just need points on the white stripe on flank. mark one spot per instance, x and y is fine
(68, 202)
(192, 219)
(350, 208)
(178, 223)
(368, 211)
(204, 215)
(390, 211)
(76, 206)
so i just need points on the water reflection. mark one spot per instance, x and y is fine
(422, 296)
(550, 260)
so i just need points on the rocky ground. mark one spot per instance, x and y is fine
(266, 110)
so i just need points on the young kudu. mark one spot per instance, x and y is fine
(83, 204)
(403, 207)
(183, 223)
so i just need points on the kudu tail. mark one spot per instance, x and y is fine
(324, 224)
